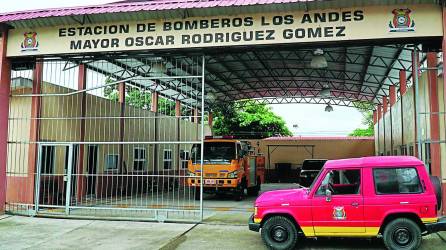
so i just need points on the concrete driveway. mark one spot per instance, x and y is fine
(46, 233)
(224, 227)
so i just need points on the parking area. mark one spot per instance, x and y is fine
(224, 227)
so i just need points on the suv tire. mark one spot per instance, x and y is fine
(401, 234)
(279, 232)
(437, 188)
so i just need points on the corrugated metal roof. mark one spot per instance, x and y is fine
(135, 7)
(319, 138)
(158, 9)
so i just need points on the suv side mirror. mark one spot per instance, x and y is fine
(327, 195)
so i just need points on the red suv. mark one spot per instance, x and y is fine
(390, 197)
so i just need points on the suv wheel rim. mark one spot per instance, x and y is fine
(402, 236)
(279, 233)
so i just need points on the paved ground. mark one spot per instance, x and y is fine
(237, 237)
(43, 233)
(224, 228)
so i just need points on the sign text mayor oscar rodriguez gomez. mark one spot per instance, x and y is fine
(140, 36)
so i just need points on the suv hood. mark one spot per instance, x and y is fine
(292, 197)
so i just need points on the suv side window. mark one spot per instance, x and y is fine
(396, 181)
(341, 182)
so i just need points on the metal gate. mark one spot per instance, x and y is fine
(106, 137)
(54, 187)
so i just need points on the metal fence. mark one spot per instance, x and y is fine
(105, 137)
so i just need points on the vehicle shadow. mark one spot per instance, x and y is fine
(340, 243)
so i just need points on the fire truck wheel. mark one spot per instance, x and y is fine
(402, 233)
(238, 193)
(197, 193)
(253, 191)
(279, 233)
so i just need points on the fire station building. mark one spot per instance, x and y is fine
(100, 105)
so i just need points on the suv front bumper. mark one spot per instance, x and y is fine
(439, 226)
(252, 225)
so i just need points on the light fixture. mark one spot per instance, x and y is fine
(211, 96)
(325, 91)
(318, 61)
(158, 68)
(329, 108)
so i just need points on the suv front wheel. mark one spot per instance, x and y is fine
(402, 233)
(279, 232)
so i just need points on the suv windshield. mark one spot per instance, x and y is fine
(214, 153)
(314, 181)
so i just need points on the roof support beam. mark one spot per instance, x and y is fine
(397, 55)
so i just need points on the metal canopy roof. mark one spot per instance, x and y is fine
(355, 75)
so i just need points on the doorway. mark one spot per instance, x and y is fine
(74, 169)
(55, 179)
(92, 169)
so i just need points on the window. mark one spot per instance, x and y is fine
(396, 181)
(404, 150)
(167, 160)
(214, 153)
(411, 150)
(341, 182)
(388, 153)
(139, 159)
(47, 160)
(395, 152)
(111, 161)
(184, 157)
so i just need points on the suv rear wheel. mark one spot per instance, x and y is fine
(402, 233)
(279, 232)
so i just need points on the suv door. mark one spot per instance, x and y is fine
(342, 213)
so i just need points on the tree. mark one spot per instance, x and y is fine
(248, 120)
(141, 99)
(367, 120)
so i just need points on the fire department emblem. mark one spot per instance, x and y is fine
(402, 22)
(339, 213)
(30, 42)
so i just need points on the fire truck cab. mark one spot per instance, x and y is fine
(229, 166)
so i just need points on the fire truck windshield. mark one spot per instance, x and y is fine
(214, 153)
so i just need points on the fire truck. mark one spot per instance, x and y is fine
(229, 166)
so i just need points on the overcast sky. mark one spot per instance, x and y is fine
(311, 119)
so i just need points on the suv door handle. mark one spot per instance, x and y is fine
(355, 204)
